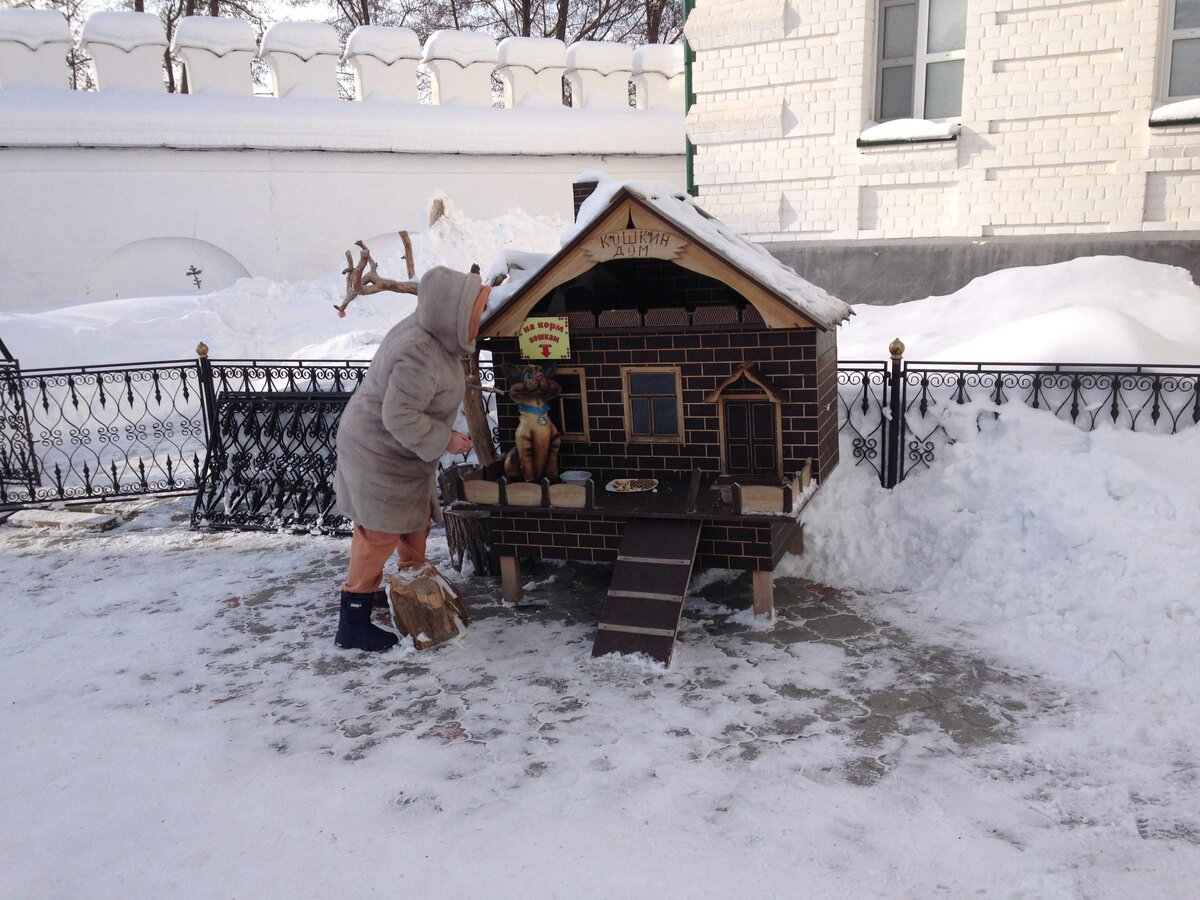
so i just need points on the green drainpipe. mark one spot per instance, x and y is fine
(689, 57)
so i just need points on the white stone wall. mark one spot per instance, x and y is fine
(110, 191)
(1055, 137)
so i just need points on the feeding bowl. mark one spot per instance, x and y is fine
(575, 476)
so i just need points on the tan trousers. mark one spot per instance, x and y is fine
(370, 551)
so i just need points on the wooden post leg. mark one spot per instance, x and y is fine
(796, 544)
(510, 578)
(764, 594)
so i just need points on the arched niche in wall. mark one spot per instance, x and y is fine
(163, 266)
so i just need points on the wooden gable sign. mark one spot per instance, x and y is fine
(634, 243)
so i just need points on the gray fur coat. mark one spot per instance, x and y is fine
(396, 425)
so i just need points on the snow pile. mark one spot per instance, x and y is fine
(1179, 112)
(462, 47)
(533, 53)
(1094, 310)
(262, 319)
(908, 130)
(386, 44)
(217, 34)
(665, 59)
(1070, 552)
(605, 57)
(125, 30)
(34, 27)
(302, 39)
(31, 117)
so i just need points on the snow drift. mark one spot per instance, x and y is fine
(1096, 309)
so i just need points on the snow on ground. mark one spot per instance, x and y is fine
(1005, 707)
(1097, 309)
(257, 318)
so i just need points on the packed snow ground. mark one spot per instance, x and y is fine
(998, 694)
(1005, 707)
(1103, 309)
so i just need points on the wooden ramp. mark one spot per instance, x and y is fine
(645, 599)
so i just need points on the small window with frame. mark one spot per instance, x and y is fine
(568, 411)
(1181, 74)
(919, 59)
(653, 405)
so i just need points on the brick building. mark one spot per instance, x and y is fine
(1008, 132)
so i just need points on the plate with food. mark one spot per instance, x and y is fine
(631, 485)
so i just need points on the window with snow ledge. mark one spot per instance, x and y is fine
(1181, 57)
(920, 52)
(908, 131)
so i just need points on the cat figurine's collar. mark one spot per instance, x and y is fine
(540, 411)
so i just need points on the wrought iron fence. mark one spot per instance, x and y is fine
(1160, 399)
(96, 432)
(863, 391)
(255, 441)
(273, 449)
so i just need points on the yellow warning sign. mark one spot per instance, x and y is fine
(545, 337)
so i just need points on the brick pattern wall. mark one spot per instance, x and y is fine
(593, 538)
(800, 363)
(1055, 135)
(827, 404)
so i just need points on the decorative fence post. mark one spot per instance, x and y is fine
(894, 443)
(208, 405)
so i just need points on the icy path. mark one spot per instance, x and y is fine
(177, 722)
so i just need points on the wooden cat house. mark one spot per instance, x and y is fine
(687, 356)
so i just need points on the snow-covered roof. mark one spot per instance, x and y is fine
(383, 43)
(666, 59)
(604, 57)
(462, 47)
(680, 211)
(219, 35)
(32, 118)
(534, 53)
(124, 30)
(1179, 111)
(34, 27)
(302, 39)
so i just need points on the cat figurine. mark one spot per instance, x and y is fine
(535, 455)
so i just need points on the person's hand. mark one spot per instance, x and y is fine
(459, 443)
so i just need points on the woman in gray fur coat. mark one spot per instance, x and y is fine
(392, 434)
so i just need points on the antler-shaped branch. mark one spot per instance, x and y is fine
(363, 277)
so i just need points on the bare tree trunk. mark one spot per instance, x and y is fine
(560, 27)
(139, 5)
(214, 7)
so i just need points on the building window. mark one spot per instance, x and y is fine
(921, 52)
(1183, 50)
(569, 411)
(653, 405)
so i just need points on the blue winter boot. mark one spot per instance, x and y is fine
(355, 631)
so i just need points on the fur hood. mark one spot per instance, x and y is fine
(445, 300)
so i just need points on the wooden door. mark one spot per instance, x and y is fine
(751, 437)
